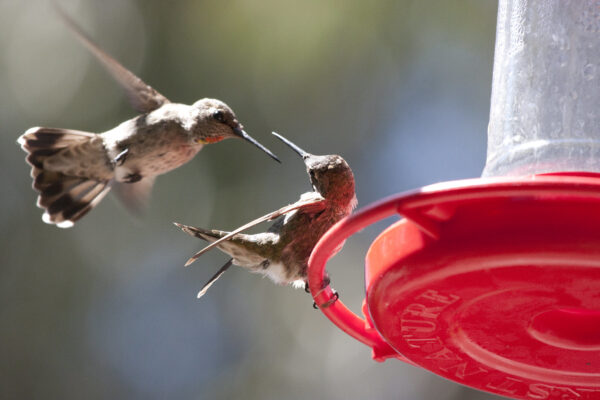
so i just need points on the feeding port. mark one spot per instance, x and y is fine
(495, 282)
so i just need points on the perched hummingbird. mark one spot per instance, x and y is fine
(282, 252)
(73, 170)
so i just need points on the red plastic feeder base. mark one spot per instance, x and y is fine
(492, 283)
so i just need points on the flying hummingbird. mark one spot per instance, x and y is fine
(282, 252)
(73, 170)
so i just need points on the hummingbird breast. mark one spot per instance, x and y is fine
(301, 232)
(153, 146)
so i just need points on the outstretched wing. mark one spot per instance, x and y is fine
(141, 95)
(308, 206)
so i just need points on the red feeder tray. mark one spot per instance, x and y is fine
(492, 283)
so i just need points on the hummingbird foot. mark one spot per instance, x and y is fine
(328, 303)
(120, 158)
(334, 297)
(326, 281)
(132, 178)
(324, 284)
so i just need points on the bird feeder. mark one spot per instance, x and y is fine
(494, 282)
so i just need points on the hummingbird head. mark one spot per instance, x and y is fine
(330, 175)
(215, 121)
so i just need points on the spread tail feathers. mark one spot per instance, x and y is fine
(246, 250)
(64, 198)
(211, 236)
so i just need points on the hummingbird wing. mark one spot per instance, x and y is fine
(142, 96)
(311, 206)
(134, 196)
(209, 235)
(214, 278)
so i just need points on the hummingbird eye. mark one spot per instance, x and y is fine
(219, 116)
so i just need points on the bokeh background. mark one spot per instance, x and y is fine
(399, 88)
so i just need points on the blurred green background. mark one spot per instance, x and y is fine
(400, 89)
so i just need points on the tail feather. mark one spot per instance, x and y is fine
(246, 250)
(64, 198)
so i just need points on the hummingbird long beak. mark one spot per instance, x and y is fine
(297, 149)
(242, 133)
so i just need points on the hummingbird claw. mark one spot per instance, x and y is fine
(328, 303)
(326, 281)
(132, 178)
(324, 284)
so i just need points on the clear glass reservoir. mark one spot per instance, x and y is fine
(545, 107)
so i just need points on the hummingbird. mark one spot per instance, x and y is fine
(73, 170)
(282, 252)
